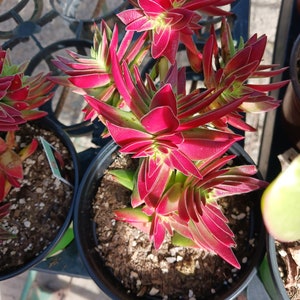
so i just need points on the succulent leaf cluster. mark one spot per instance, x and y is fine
(181, 138)
(20, 97)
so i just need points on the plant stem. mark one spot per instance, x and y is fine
(163, 66)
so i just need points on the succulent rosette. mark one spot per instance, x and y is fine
(187, 208)
(20, 98)
(181, 139)
(170, 23)
(172, 140)
(161, 123)
(92, 74)
(20, 95)
(230, 69)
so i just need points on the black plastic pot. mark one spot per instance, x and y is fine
(50, 125)
(86, 240)
(269, 273)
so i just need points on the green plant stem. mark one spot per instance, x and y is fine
(163, 67)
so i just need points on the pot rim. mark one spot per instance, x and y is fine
(51, 125)
(273, 267)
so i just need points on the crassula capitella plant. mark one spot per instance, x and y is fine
(180, 138)
(20, 96)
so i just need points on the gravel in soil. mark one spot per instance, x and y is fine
(39, 207)
(288, 257)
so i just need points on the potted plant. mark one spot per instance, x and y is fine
(180, 140)
(280, 208)
(92, 209)
(31, 196)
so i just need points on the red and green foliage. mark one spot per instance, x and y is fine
(170, 23)
(20, 95)
(20, 98)
(230, 69)
(180, 138)
(92, 74)
(11, 170)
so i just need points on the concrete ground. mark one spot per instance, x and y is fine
(33, 285)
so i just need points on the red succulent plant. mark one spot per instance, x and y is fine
(170, 22)
(20, 95)
(188, 206)
(11, 170)
(20, 98)
(180, 138)
(230, 69)
(166, 131)
(162, 124)
(92, 74)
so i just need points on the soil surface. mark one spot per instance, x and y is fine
(171, 272)
(288, 256)
(40, 206)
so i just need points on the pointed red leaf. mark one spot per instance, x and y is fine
(203, 143)
(157, 232)
(182, 206)
(28, 150)
(218, 227)
(140, 24)
(135, 217)
(90, 80)
(169, 201)
(268, 87)
(128, 138)
(10, 164)
(160, 120)
(129, 15)
(165, 97)
(180, 161)
(204, 238)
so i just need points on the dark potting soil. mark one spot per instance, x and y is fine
(40, 206)
(288, 257)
